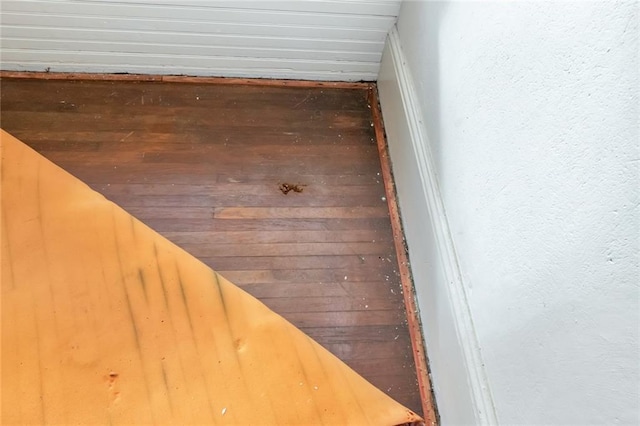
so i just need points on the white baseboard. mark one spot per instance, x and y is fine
(459, 379)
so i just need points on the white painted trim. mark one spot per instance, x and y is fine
(481, 397)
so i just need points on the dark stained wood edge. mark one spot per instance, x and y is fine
(268, 82)
(183, 79)
(34, 75)
(413, 320)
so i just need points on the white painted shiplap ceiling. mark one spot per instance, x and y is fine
(299, 39)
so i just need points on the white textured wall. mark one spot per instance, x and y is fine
(531, 111)
(301, 39)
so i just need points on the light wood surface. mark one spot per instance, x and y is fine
(106, 322)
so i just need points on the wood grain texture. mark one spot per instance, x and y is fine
(191, 150)
(312, 40)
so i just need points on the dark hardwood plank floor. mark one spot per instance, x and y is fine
(202, 164)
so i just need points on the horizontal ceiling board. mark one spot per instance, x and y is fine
(306, 39)
(356, 7)
(189, 39)
(185, 14)
(161, 27)
(198, 50)
(184, 64)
